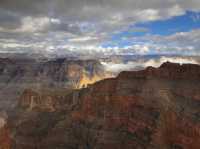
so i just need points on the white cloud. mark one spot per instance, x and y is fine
(147, 15)
(82, 39)
(55, 20)
(30, 24)
(184, 43)
(175, 10)
(181, 43)
(143, 63)
(180, 60)
(75, 25)
(140, 49)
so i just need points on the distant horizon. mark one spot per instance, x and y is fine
(87, 57)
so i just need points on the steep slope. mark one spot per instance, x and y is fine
(59, 72)
(19, 74)
(156, 108)
(71, 72)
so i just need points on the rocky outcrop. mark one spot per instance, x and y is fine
(31, 100)
(5, 138)
(157, 108)
(16, 75)
(71, 72)
(59, 72)
(167, 71)
(5, 134)
(44, 100)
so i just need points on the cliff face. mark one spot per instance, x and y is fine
(59, 72)
(154, 108)
(19, 74)
(43, 100)
(72, 72)
(5, 138)
(171, 71)
(5, 134)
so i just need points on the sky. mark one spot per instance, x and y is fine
(100, 27)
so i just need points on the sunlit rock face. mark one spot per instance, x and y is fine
(19, 74)
(70, 72)
(84, 73)
(154, 108)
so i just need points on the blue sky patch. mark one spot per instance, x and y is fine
(185, 23)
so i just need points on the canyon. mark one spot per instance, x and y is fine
(155, 108)
(16, 75)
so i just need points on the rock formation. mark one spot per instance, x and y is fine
(19, 74)
(156, 108)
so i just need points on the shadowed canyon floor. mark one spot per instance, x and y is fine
(156, 108)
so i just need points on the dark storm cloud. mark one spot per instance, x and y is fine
(44, 6)
(9, 20)
(24, 7)
(106, 12)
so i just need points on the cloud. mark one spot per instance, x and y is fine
(30, 24)
(139, 64)
(180, 43)
(82, 39)
(180, 60)
(64, 43)
(106, 13)
(9, 20)
(196, 17)
(87, 24)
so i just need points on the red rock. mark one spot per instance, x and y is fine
(155, 108)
